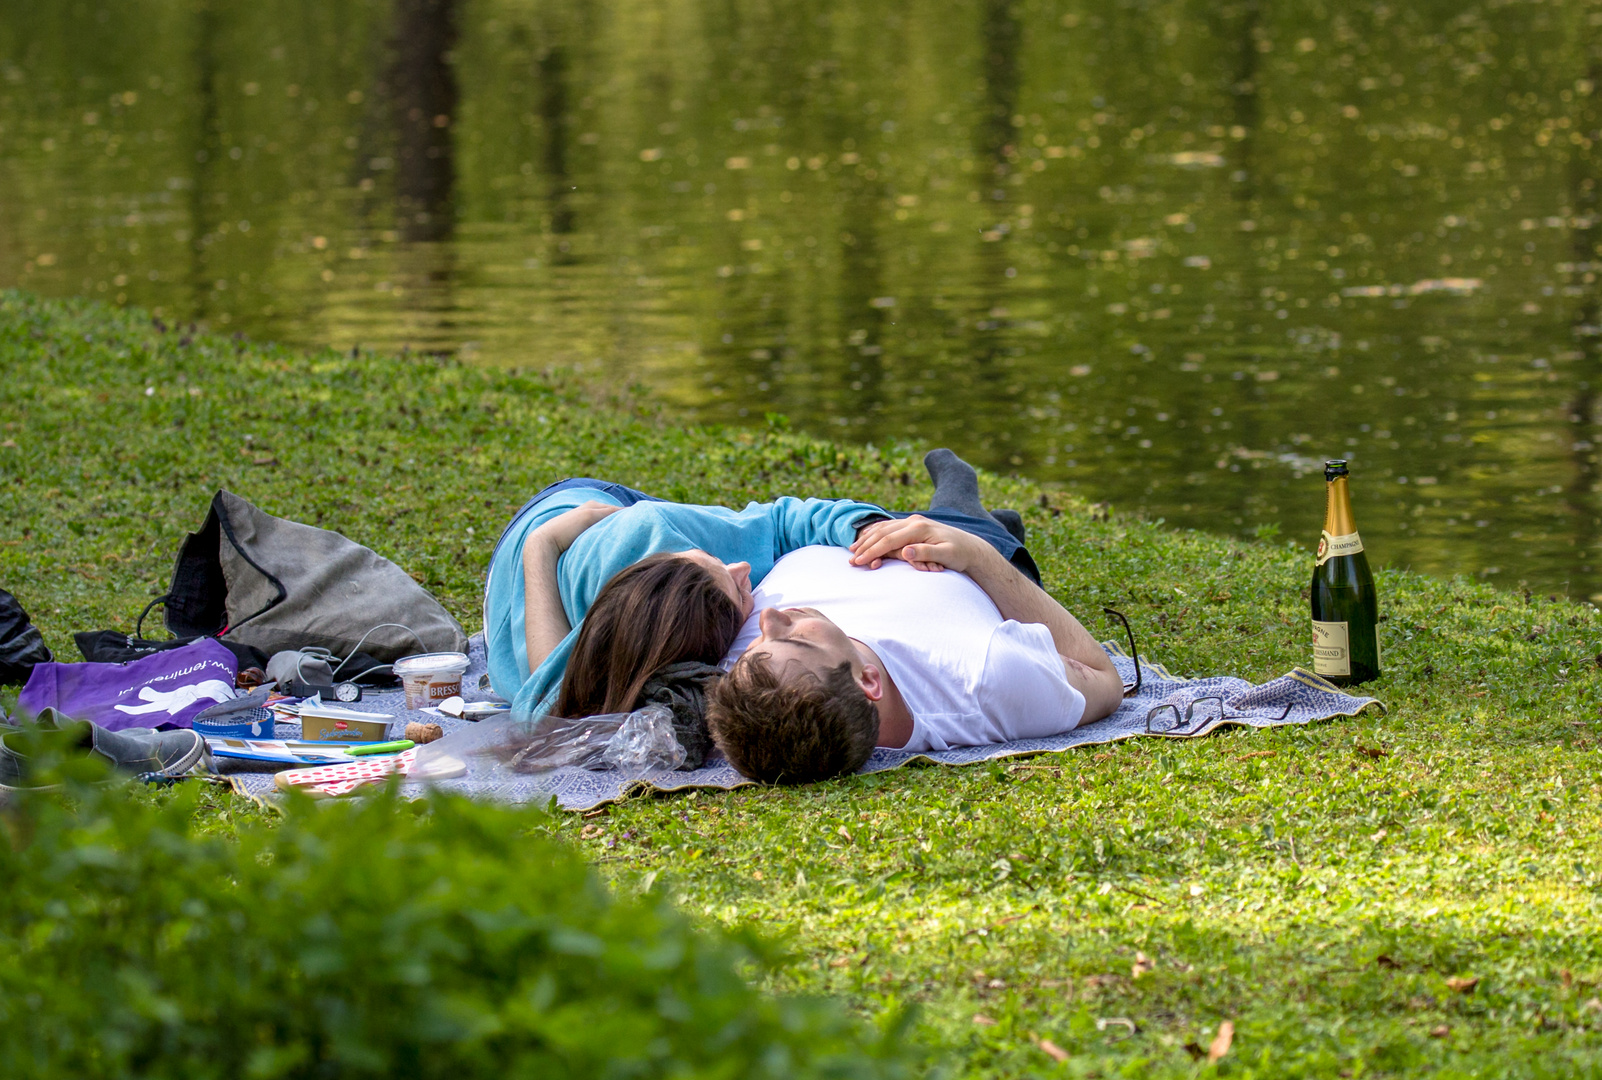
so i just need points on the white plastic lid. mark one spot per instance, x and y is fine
(434, 663)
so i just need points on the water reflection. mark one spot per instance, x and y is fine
(1169, 254)
(421, 88)
(1585, 174)
(205, 209)
(553, 111)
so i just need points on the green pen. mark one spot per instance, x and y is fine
(382, 747)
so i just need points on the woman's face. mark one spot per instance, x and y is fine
(733, 578)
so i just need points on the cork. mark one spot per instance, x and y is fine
(424, 733)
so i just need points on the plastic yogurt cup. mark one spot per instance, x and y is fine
(430, 678)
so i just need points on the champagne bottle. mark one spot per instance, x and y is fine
(1345, 605)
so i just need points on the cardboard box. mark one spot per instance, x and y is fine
(330, 723)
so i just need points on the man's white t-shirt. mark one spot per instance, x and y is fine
(969, 676)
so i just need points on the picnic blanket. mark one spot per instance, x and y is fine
(1184, 708)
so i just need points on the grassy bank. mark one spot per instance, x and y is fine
(1323, 889)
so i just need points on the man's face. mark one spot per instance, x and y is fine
(802, 640)
(732, 578)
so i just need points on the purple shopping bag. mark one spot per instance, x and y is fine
(164, 689)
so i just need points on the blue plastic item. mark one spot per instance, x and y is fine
(247, 724)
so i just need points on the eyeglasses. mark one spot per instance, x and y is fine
(1130, 689)
(1189, 723)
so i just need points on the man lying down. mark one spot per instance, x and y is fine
(919, 637)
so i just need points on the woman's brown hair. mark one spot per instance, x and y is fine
(663, 610)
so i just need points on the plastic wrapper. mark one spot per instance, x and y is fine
(644, 741)
(639, 741)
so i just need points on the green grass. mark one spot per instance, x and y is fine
(1317, 887)
(369, 940)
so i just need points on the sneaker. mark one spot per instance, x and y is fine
(135, 751)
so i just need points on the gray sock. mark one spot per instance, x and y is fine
(956, 484)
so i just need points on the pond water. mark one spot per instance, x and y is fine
(1168, 255)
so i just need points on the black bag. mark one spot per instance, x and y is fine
(21, 646)
(115, 647)
(249, 578)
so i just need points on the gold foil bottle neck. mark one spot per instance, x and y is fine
(1338, 520)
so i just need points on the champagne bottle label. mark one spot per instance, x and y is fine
(1332, 652)
(1331, 546)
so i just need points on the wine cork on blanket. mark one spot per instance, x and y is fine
(424, 733)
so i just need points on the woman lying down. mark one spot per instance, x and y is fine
(598, 595)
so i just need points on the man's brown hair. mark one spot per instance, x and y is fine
(662, 610)
(795, 732)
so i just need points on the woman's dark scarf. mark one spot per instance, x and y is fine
(683, 688)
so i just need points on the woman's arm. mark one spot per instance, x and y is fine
(544, 619)
(800, 523)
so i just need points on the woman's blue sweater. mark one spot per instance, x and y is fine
(760, 534)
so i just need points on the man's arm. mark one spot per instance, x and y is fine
(1103, 688)
(544, 619)
(931, 545)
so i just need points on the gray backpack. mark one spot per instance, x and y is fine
(259, 580)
